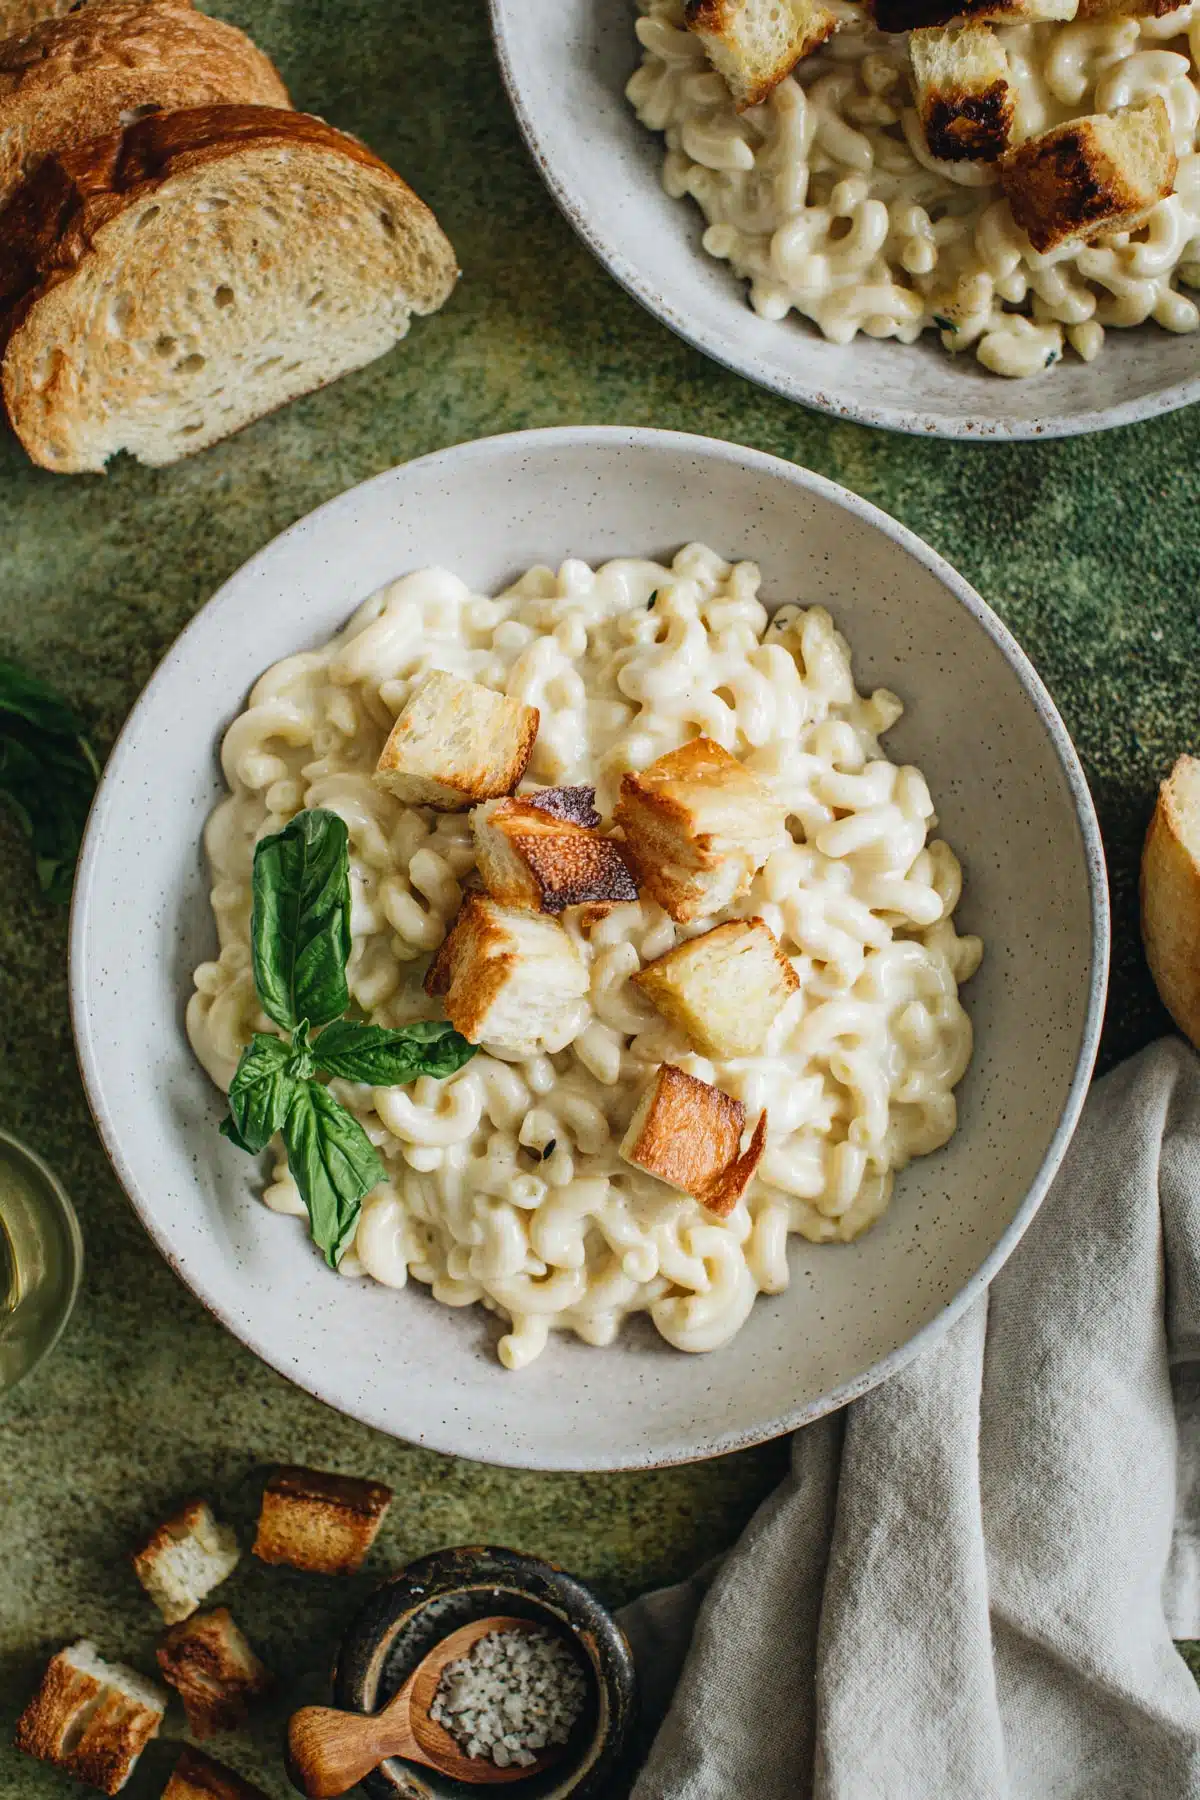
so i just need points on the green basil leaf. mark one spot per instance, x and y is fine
(389, 1058)
(333, 1163)
(261, 1092)
(300, 1064)
(47, 775)
(300, 920)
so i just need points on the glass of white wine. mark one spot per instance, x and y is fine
(41, 1260)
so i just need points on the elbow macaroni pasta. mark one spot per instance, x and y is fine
(827, 201)
(504, 1184)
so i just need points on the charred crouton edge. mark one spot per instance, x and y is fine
(200, 1777)
(456, 743)
(965, 102)
(507, 977)
(91, 1718)
(185, 1558)
(687, 1133)
(319, 1522)
(1093, 175)
(723, 988)
(535, 855)
(913, 15)
(213, 1670)
(755, 44)
(697, 825)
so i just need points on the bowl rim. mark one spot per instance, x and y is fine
(965, 427)
(710, 450)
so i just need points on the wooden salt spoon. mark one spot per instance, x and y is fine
(330, 1750)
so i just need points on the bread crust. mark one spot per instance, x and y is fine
(52, 223)
(213, 1670)
(319, 1522)
(715, 21)
(114, 1732)
(1170, 897)
(200, 1777)
(71, 79)
(531, 855)
(916, 15)
(686, 1132)
(1067, 184)
(969, 127)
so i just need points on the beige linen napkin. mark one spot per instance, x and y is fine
(967, 1587)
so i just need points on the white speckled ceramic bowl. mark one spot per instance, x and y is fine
(1009, 793)
(565, 64)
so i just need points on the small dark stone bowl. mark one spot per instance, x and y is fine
(416, 1609)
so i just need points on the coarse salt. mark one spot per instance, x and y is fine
(513, 1694)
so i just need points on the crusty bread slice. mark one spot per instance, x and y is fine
(322, 1523)
(162, 287)
(964, 99)
(91, 1718)
(754, 44)
(200, 1777)
(74, 79)
(214, 1671)
(1098, 174)
(1170, 889)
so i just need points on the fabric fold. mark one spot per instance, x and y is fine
(968, 1584)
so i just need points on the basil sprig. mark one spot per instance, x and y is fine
(48, 774)
(300, 945)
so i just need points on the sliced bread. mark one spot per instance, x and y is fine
(73, 79)
(1170, 890)
(164, 286)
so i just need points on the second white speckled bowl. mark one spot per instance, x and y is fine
(565, 64)
(1010, 797)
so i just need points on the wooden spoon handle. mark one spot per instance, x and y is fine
(329, 1750)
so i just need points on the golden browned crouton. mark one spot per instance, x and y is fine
(724, 988)
(965, 103)
(697, 826)
(322, 1523)
(687, 1133)
(1170, 889)
(213, 1669)
(456, 743)
(507, 977)
(91, 1718)
(531, 854)
(912, 15)
(1090, 176)
(754, 44)
(184, 1558)
(200, 1777)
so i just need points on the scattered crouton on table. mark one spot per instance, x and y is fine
(318, 1522)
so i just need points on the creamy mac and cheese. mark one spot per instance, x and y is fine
(504, 1183)
(826, 199)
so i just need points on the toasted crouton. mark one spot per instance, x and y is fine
(185, 1558)
(1093, 175)
(213, 1669)
(724, 988)
(687, 1132)
(322, 1523)
(531, 854)
(508, 978)
(91, 1718)
(1170, 889)
(200, 1777)
(754, 44)
(912, 15)
(697, 826)
(965, 103)
(456, 743)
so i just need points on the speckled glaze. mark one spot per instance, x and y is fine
(1006, 784)
(407, 1617)
(565, 64)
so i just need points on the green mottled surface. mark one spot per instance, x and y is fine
(1087, 549)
